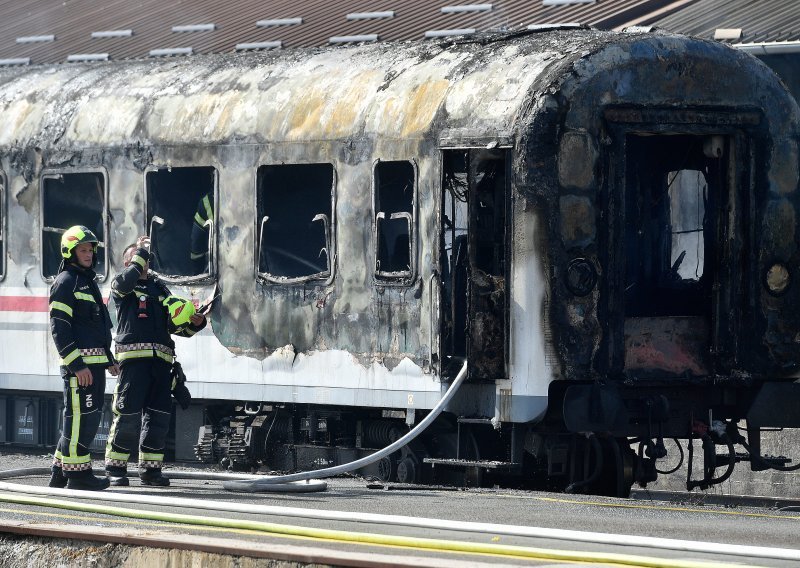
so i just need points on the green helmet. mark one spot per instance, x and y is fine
(180, 310)
(74, 236)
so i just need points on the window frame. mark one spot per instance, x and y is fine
(269, 279)
(55, 173)
(3, 223)
(209, 277)
(405, 278)
(700, 245)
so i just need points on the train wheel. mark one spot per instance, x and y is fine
(386, 468)
(617, 473)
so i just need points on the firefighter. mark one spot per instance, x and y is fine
(81, 329)
(200, 232)
(146, 315)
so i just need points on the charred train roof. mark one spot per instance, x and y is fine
(400, 90)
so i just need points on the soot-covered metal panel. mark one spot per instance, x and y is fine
(664, 80)
(346, 107)
(349, 107)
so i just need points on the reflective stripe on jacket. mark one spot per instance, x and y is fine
(79, 320)
(141, 316)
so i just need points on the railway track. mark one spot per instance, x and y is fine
(322, 536)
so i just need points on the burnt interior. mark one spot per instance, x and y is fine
(670, 229)
(173, 196)
(294, 220)
(674, 190)
(394, 216)
(473, 260)
(67, 200)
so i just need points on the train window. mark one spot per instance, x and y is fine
(295, 218)
(394, 220)
(2, 225)
(181, 222)
(670, 229)
(688, 191)
(72, 199)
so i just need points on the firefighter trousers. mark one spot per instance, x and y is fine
(83, 408)
(141, 402)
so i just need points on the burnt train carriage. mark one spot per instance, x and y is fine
(602, 225)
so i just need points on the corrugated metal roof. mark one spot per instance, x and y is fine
(72, 22)
(760, 21)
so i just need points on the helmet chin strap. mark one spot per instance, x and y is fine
(74, 260)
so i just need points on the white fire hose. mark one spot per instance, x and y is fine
(290, 483)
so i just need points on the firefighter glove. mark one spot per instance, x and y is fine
(179, 390)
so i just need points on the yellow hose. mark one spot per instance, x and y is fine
(369, 538)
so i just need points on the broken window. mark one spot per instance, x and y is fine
(295, 215)
(72, 199)
(688, 192)
(2, 225)
(181, 221)
(669, 229)
(394, 220)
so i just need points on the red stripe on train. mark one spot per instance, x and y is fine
(24, 304)
(27, 303)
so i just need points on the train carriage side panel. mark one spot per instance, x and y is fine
(343, 107)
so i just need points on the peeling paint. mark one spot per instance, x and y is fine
(106, 121)
(19, 120)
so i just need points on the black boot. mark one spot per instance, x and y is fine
(153, 476)
(86, 481)
(117, 476)
(57, 478)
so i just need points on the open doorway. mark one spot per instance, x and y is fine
(473, 261)
(675, 188)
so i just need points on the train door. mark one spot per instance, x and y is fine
(680, 200)
(473, 261)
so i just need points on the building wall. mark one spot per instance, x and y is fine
(769, 483)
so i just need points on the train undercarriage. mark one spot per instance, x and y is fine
(607, 440)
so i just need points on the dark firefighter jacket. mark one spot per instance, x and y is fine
(79, 319)
(141, 317)
(205, 211)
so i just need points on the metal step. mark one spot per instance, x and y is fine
(464, 420)
(742, 456)
(484, 464)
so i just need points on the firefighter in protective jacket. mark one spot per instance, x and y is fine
(203, 218)
(81, 329)
(146, 316)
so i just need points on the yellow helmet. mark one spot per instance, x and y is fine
(180, 310)
(74, 236)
